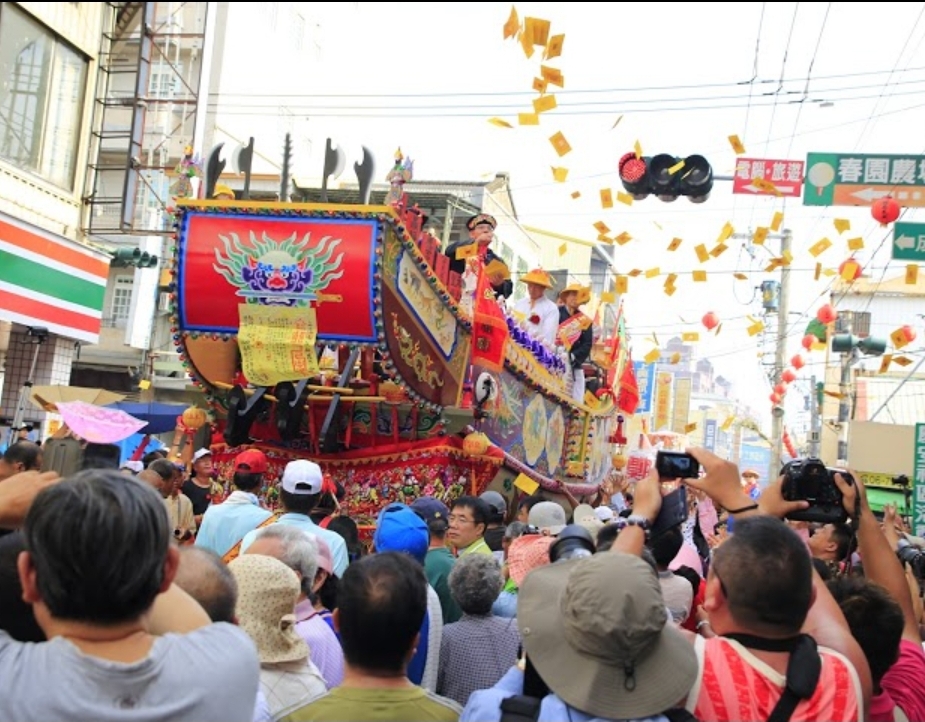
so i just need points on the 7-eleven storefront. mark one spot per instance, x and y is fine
(51, 301)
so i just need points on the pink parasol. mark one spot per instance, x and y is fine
(96, 424)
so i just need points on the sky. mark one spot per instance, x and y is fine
(786, 78)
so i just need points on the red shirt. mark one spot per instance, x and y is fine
(903, 685)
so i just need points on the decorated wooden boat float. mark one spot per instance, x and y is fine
(336, 333)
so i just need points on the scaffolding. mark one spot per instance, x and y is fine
(148, 87)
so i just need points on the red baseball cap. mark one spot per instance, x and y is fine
(252, 461)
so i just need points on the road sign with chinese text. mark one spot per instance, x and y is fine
(645, 379)
(909, 241)
(918, 482)
(842, 179)
(786, 176)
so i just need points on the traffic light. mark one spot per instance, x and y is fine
(666, 177)
(845, 342)
(133, 258)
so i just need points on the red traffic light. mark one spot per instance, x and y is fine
(634, 175)
(666, 176)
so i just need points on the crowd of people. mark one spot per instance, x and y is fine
(147, 594)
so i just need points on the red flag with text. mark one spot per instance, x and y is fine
(628, 394)
(489, 327)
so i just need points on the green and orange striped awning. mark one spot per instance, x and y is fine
(49, 280)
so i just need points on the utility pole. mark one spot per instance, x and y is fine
(844, 393)
(814, 419)
(780, 346)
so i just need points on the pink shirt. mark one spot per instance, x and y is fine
(903, 685)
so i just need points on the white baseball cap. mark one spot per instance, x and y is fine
(302, 477)
(200, 453)
(604, 514)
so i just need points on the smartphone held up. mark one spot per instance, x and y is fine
(672, 467)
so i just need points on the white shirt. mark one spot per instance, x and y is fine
(548, 313)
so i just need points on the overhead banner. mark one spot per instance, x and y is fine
(682, 405)
(277, 344)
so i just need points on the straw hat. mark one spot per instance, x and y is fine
(584, 292)
(539, 277)
(221, 189)
(267, 595)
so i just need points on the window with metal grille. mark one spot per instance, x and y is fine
(121, 300)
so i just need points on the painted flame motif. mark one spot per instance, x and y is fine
(285, 273)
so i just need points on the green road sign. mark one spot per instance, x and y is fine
(857, 179)
(918, 482)
(909, 241)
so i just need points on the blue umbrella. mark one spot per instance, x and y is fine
(161, 417)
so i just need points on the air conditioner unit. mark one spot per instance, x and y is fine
(163, 303)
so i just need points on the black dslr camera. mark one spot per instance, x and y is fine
(811, 480)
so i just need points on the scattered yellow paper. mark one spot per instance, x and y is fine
(637, 147)
(635, 272)
(669, 289)
(691, 427)
(699, 276)
(616, 122)
(144, 384)
(675, 358)
(576, 195)
(849, 270)
(606, 198)
(898, 337)
(652, 356)
(467, 251)
(670, 279)
(736, 144)
(604, 238)
(703, 255)
(675, 244)
(527, 485)
(512, 25)
(885, 363)
(559, 175)
(560, 143)
(841, 224)
(855, 244)
(820, 247)
(500, 122)
(818, 272)
(760, 236)
(653, 272)
(786, 258)
(727, 231)
(690, 336)
(776, 220)
(912, 274)
(528, 119)
(622, 284)
(553, 76)
(539, 85)
(773, 265)
(765, 185)
(902, 360)
(537, 30)
(676, 167)
(554, 47)
(740, 276)
(601, 227)
(727, 424)
(625, 198)
(755, 328)
(719, 250)
(608, 297)
(829, 272)
(544, 103)
(563, 249)
(525, 43)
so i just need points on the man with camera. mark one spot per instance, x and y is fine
(770, 623)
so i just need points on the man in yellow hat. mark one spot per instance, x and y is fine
(540, 314)
(575, 333)
(222, 193)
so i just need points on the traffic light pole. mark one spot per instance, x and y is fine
(844, 398)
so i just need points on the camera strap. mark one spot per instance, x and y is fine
(803, 669)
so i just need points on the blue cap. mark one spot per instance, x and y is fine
(430, 509)
(399, 529)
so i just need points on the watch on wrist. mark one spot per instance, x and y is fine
(635, 520)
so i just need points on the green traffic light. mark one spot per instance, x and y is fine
(870, 345)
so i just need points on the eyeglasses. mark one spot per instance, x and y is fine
(453, 519)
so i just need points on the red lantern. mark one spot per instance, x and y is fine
(885, 210)
(775, 398)
(780, 389)
(710, 320)
(826, 314)
(788, 377)
(908, 333)
(808, 341)
(852, 268)
(797, 361)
